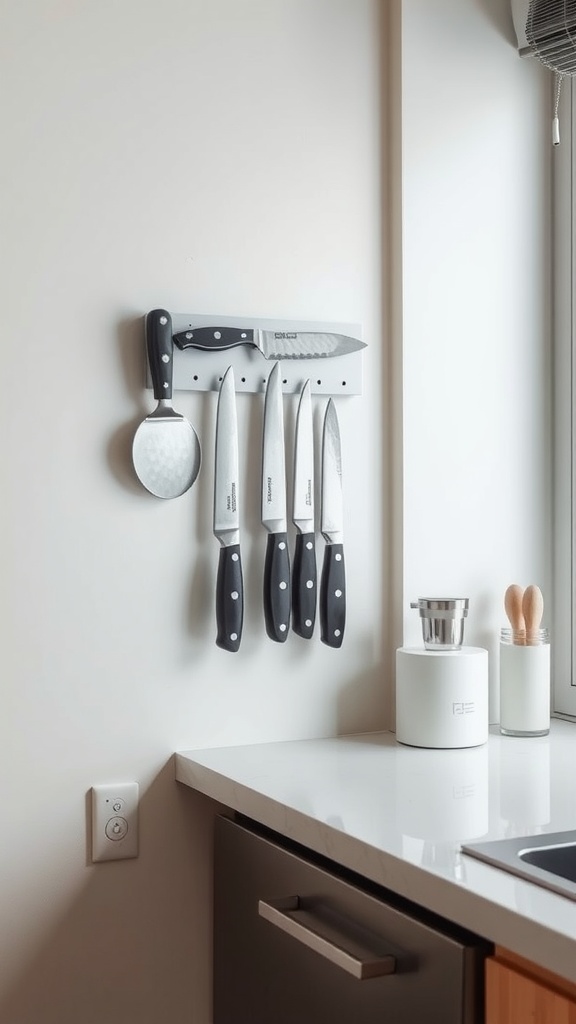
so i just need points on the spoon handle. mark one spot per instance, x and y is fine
(533, 610)
(513, 607)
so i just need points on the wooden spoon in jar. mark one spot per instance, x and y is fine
(533, 610)
(513, 605)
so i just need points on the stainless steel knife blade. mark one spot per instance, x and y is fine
(229, 585)
(273, 461)
(333, 579)
(331, 522)
(304, 574)
(226, 514)
(273, 505)
(272, 344)
(303, 496)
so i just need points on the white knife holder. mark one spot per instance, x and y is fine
(197, 370)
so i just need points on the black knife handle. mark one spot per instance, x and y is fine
(333, 596)
(160, 351)
(214, 339)
(229, 598)
(277, 587)
(304, 585)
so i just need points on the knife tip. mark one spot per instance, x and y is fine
(273, 375)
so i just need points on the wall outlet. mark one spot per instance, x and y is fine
(115, 821)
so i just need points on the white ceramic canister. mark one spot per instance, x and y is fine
(442, 697)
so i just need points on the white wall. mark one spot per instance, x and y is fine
(211, 155)
(207, 156)
(475, 338)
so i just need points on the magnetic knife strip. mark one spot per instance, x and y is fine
(196, 370)
(166, 456)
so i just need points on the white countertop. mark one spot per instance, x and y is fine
(398, 815)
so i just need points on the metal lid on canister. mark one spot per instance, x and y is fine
(441, 607)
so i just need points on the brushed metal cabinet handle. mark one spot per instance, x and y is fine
(283, 913)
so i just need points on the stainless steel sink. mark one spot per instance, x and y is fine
(548, 860)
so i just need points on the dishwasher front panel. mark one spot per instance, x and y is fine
(296, 944)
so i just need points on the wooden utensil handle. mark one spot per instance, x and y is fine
(513, 607)
(533, 610)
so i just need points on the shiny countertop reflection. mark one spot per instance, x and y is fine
(398, 815)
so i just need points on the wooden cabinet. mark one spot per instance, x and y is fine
(518, 992)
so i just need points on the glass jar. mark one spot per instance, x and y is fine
(524, 682)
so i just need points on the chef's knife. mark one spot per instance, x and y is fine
(333, 581)
(304, 574)
(229, 585)
(277, 563)
(272, 344)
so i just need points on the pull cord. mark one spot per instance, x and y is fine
(556, 119)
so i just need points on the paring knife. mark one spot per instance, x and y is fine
(229, 585)
(277, 562)
(304, 574)
(333, 580)
(272, 344)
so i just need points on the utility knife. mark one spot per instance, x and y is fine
(333, 579)
(304, 585)
(273, 504)
(229, 584)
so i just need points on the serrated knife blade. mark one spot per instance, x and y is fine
(273, 508)
(272, 344)
(226, 523)
(304, 585)
(333, 579)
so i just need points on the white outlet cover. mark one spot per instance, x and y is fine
(115, 821)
